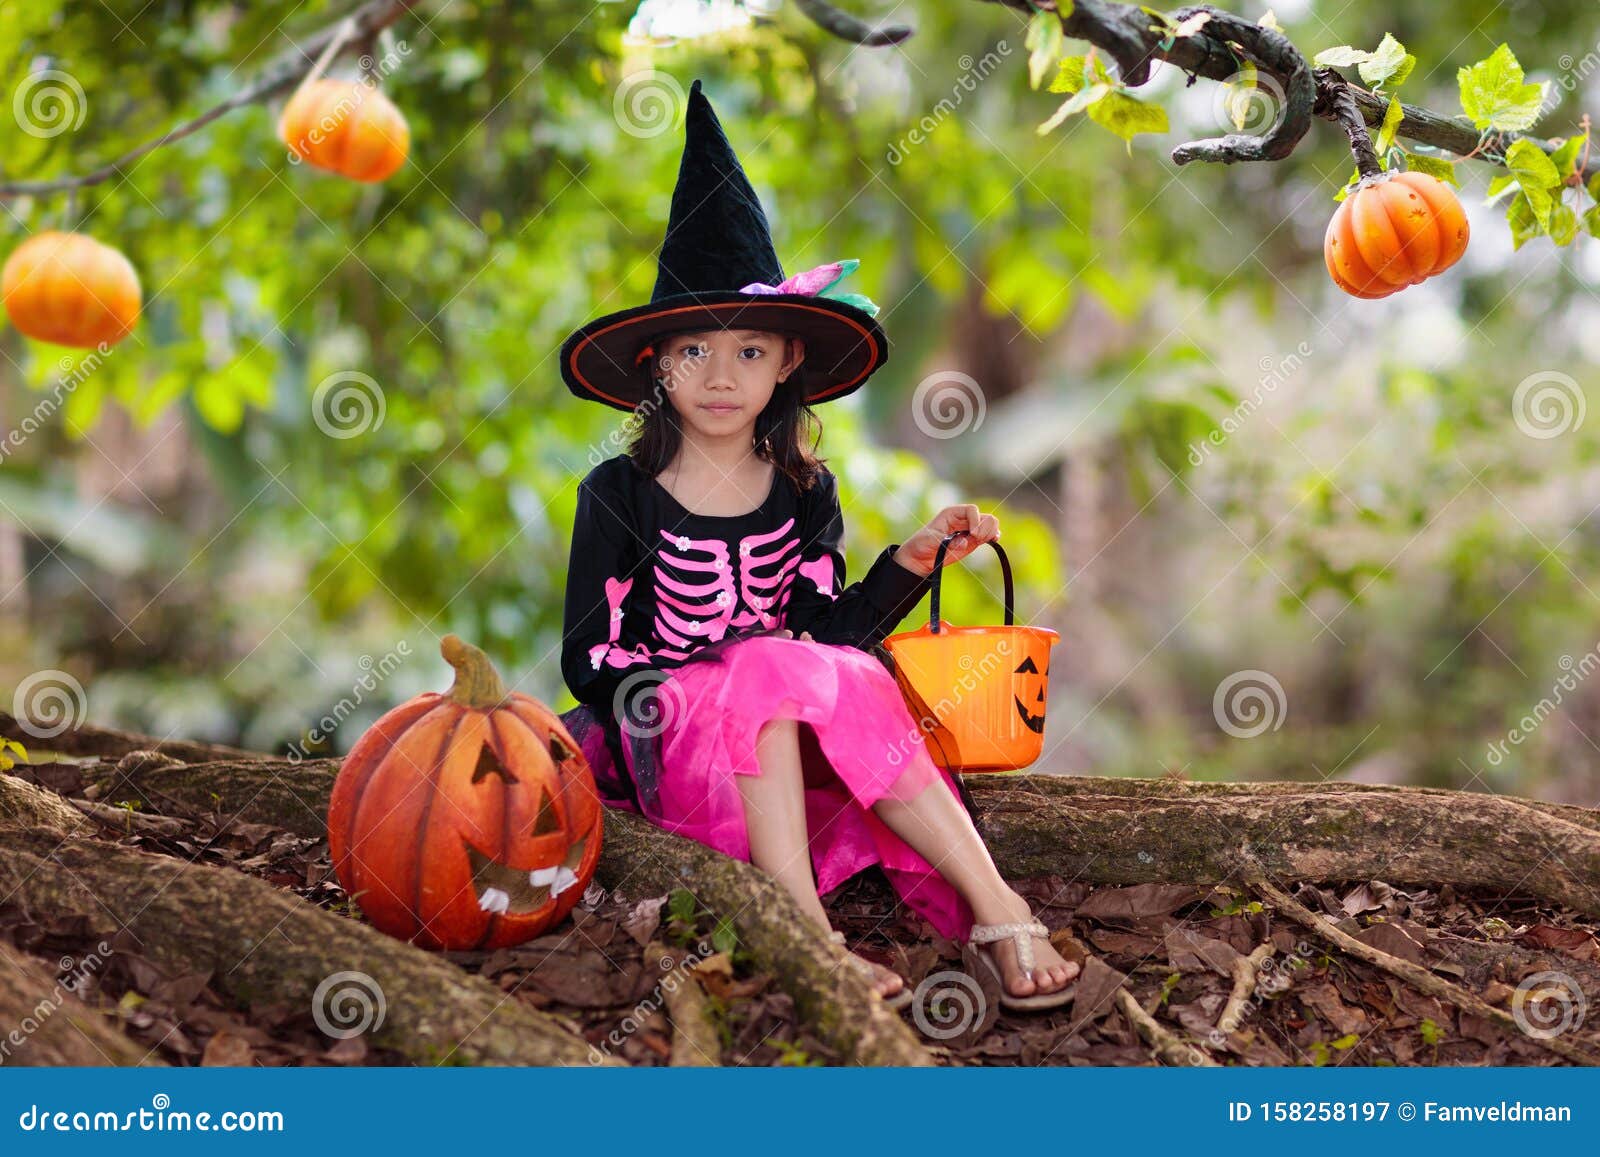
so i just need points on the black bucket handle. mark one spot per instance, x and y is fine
(938, 570)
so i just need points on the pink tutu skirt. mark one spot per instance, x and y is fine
(859, 727)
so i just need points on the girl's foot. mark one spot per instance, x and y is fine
(885, 981)
(1051, 972)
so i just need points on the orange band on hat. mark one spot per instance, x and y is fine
(644, 353)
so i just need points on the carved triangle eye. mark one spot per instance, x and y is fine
(488, 765)
(559, 751)
(547, 820)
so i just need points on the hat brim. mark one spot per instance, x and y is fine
(843, 344)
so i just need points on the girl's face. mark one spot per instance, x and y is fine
(719, 381)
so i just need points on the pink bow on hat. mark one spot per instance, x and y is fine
(817, 283)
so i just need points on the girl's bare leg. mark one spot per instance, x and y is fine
(935, 824)
(775, 816)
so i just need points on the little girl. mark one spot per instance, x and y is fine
(728, 687)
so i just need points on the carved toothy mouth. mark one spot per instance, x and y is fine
(505, 890)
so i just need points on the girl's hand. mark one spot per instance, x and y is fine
(805, 636)
(917, 553)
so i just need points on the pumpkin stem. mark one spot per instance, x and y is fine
(477, 682)
(1335, 99)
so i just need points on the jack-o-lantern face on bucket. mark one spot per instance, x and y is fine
(466, 820)
(1030, 694)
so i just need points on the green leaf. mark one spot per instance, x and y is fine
(1341, 57)
(1069, 75)
(1494, 96)
(1128, 116)
(1524, 222)
(1043, 43)
(1344, 190)
(1391, 61)
(1434, 167)
(1077, 102)
(1536, 175)
(1270, 20)
(1498, 186)
(1594, 186)
(1591, 220)
(1236, 96)
(1563, 224)
(1391, 125)
(1565, 159)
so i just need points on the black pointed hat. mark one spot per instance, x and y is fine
(718, 270)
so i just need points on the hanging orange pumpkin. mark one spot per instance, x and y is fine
(69, 289)
(468, 819)
(347, 127)
(1394, 230)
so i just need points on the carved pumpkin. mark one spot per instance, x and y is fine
(346, 127)
(1394, 230)
(69, 289)
(468, 819)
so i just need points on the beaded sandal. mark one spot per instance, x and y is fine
(898, 1000)
(1022, 932)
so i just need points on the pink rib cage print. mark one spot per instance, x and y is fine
(700, 595)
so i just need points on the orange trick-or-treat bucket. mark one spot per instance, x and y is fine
(977, 693)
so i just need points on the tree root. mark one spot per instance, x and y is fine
(695, 1042)
(1414, 974)
(264, 945)
(838, 1003)
(48, 1025)
(1141, 831)
(1167, 1046)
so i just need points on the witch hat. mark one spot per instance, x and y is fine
(718, 270)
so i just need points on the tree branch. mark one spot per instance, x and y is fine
(847, 27)
(366, 22)
(1125, 33)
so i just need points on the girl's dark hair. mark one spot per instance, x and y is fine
(787, 430)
